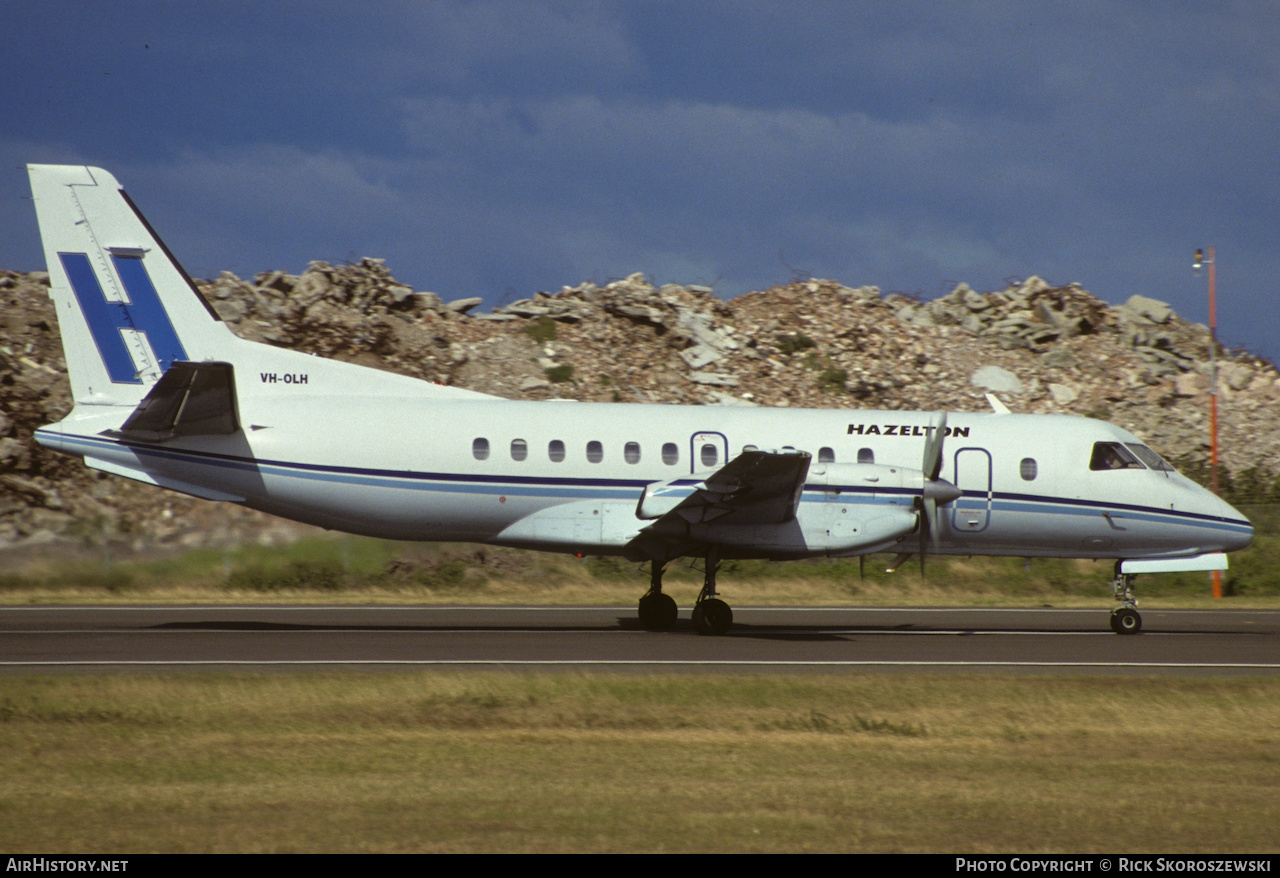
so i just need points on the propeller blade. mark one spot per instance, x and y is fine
(928, 515)
(932, 464)
(931, 514)
(932, 490)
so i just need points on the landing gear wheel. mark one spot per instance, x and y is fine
(712, 617)
(657, 612)
(1126, 620)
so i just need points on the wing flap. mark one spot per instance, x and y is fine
(755, 488)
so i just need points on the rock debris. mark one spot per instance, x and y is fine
(814, 343)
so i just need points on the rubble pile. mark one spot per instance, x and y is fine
(814, 343)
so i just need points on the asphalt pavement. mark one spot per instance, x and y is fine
(762, 640)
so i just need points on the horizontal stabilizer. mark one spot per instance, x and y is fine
(145, 477)
(190, 399)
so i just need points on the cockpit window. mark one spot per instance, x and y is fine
(1113, 455)
(1149, 457)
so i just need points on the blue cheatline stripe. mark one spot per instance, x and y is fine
(1122, 513)
(1011, 502)
(604, 489)
(143, 313)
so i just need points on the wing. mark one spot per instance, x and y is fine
(756, 487)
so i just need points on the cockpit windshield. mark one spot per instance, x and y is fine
(1113, 455)
(1149, 457)
(1128, 455)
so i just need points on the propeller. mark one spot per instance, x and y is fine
(934, 492)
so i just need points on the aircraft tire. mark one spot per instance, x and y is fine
(1126, 620)
(658, 612)
(712, 617)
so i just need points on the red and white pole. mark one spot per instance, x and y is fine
(1213, 388)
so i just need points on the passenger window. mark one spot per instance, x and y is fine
(631, 452)
(670, 453)
(555, 450)
(826, 455)
(480, 449)
(866, 455)
(1027, 469)
(710, 455)
(1113, 455)
(519, 449)
(595, 451)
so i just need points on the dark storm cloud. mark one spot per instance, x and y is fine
(498, 148)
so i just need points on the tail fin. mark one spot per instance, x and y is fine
(126, 309)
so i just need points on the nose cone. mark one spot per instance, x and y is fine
(1237, 531)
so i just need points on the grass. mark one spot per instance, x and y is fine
(490, 761)
(589, 763)
(559, 374)
(793, 343)
(541, 330)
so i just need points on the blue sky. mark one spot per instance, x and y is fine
(499, 148)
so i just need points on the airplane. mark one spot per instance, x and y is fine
(164, 393)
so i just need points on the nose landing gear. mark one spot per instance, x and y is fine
(1125, 618)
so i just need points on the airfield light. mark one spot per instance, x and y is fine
(1213, 385)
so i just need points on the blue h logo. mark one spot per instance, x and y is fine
(108, 320)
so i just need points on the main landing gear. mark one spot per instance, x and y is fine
(711, 615)
(1125, 618)
(657, 610)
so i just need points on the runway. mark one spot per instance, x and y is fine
(762, 640)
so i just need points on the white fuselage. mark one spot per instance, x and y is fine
(472, 470)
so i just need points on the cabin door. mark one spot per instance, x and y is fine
(972, 512)
(707, 451)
